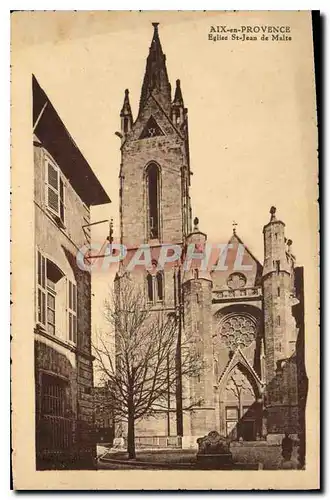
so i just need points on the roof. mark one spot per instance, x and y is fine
(55, 137)
(236, 239)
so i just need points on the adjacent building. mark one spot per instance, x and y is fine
(65, 188)
(104, 418)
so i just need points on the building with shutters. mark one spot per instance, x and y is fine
(245, 321)
(65, 189)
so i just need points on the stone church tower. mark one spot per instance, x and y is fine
(155, 206)
(155, 160)
(243, 318)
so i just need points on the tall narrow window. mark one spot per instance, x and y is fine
(159, 283)
(278, 320)
(277, 266)
(155, 287)
(72, 312)
(125, 125)
(153, 200)
(150, 288)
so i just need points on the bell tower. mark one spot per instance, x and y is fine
(155, 172)
(155, 205)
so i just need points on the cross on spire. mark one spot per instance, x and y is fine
(234, 226)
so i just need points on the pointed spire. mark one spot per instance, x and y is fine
(126, 116)
(126, 109)
(155, 77)
(178, 99)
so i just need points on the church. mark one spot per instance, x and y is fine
(248, 323)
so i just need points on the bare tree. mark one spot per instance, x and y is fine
(140, 368)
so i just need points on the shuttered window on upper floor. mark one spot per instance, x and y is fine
(55, 190)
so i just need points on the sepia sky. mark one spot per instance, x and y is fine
(253, 144)
(250, 104)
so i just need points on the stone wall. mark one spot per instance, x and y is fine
(198, 330)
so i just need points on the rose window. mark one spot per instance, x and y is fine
(237, 331)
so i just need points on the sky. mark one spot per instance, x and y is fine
(251, 110)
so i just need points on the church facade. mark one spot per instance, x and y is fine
(247, 322)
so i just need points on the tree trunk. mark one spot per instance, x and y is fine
(131, 436)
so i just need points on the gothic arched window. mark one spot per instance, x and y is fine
(155, 287)
(153, 201)
(159, 284)
(150, 288)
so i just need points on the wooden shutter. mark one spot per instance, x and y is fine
(41, 288)
(53, 185)
(72, 312)
(61, 200)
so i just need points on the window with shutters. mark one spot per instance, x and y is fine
(50, 281)
(55, 190)
(72, 309)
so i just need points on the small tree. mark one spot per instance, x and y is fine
(140, 368)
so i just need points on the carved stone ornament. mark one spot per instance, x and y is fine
(236, 280)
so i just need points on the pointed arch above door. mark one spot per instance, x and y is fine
(239, 360)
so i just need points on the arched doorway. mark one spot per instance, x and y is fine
(240, 403)
(240, 400)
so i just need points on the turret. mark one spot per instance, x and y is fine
(280, 332)
(278, 291)
(275, 246)
(178, 110)
(197, 295)
(193, 253)
(126, 116)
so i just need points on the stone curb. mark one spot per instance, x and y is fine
(237, 465)
(146, 464)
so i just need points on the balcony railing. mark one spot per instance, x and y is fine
(238, 293)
